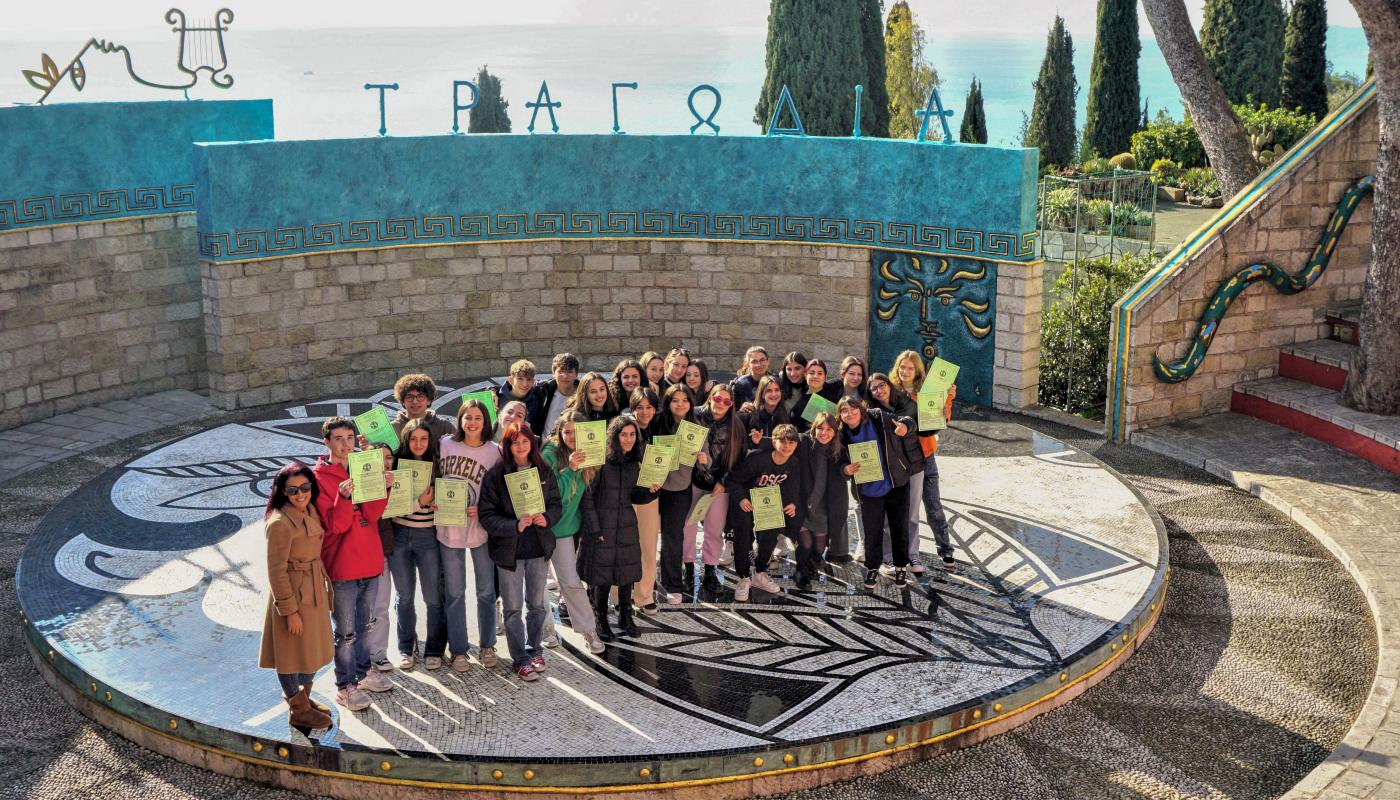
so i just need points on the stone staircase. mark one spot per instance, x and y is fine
(1306, 396)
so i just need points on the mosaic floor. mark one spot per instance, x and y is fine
(156, 569)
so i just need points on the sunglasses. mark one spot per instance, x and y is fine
(293, 491)
(721, 401)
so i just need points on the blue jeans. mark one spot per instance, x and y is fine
(524, 587)
(933, 508)
(350, 617)
(416, 551)
(454, 586)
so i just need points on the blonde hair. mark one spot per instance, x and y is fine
(919, 372)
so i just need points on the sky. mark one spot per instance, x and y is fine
(940, 17)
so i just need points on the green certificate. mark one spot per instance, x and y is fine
(400, 494)
(931, 405)
(591, 439)
(941, 375)
(487, 398)
(656, 465)
(367, 470)
(816, 404)
(867, 455)
(767, 508)
(374, 426)
(450, 494)
(526, 494)
(698, 513)
(422, 474)
(692, 440)
(671, 443)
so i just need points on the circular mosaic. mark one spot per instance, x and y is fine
(149, 584)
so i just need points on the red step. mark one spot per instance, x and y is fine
(1322, 363)
(1317, 411)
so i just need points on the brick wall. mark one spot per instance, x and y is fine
(311, 326)
(96, 312)
(1283, 226)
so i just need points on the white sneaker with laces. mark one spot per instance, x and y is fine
(595, 645)
(376, 682)
(741, 591)
(916, 567)
(673, 598)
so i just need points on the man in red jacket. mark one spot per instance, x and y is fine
(354, 560)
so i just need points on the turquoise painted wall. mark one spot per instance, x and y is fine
(939, 307)
(268, 199)
(78, 162)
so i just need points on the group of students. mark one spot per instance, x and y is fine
(609, 541)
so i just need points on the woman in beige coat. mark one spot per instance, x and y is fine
(296, 637)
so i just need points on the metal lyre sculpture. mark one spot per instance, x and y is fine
(201, 49)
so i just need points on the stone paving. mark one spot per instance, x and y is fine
(42, 443)
(1353, 508)
(1229, 697)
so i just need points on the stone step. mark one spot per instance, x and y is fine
(1317, 411)
(1346, 322)
(1323, 362)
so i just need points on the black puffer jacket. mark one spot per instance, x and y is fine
(904, 406)
(499, 519)
(892, 449)
(610, 551)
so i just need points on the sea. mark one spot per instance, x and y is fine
(317, 78)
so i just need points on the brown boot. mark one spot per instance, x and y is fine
(302, 715)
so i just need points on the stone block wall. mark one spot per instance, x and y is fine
(96, 312)
(1283, 226)
(1016, 371)
(308, 326)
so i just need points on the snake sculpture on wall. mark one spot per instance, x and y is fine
(1225, 294)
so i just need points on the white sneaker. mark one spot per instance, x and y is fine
(352, 698)
(887, 570)
(764, 581)
(741, 591)
(461, 663)
(408, 662)
(916, 567)
(595, 645)
(672, 598)
(376, 682)
(726, 553)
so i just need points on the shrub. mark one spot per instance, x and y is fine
(1174, 141)
(1096, 166)
(1286, 127)
(1059, 207)
(1124, 161)
(1200, 181)
(1089, 311)
(1164, 171)
(1095, 214)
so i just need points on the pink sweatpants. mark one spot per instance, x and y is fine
(714, 528)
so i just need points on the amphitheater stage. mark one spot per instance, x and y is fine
(143, 596)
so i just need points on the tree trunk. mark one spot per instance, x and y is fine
(1374, 382)
(1220, 130)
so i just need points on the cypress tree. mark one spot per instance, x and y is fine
(489, 113)
(910, 77)
(974, 121)
(1113, 79)
(814, 48)
(875, 100)
(1243, 44)
(1051, 125)
(1304, 81)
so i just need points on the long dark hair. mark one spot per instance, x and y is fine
(733, 435)
(278, 498)
(615, 454)
(645, 392)
(790, 388)
(668, 423)
(619, 395)
(404, 453)
(832, 449)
